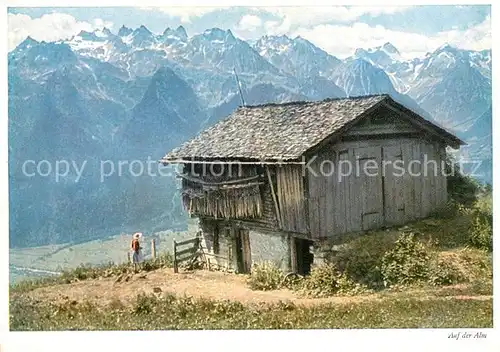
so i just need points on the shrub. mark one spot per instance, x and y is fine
(445, 272)
(265, 276)
(407, 263)
(481, 226)
(481, 234)
(451, 209)
(323, 281)
(326, 280)
(461, 188)
(360, 259)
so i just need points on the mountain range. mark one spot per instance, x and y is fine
(133, 95)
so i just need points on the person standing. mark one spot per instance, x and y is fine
(136, 249)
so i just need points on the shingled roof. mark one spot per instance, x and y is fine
(282, 131)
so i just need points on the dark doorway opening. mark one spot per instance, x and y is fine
(243, 254)
(303, 256)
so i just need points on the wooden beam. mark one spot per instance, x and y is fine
(424, 124)
(278, 162)
(275, 199)
(230, 182)
(186, 251)
(176, 269)
(182, 243)
(153, 249)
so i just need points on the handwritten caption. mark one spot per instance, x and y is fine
(467, 335)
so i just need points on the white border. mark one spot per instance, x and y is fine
(374, 340)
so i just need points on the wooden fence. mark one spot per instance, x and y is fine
(190, 251)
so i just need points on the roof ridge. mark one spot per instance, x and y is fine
(304, 102)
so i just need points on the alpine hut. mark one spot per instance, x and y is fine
(279, 181)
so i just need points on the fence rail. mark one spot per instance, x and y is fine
(193, 251)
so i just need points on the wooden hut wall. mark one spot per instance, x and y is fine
(216, 240)
(257, 207)
(224, 201)
(291, 198)
(355, 201)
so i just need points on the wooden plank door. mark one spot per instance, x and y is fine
(394, 185)
(243, 252)
(369, 187)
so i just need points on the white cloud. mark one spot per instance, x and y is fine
(249, 23)
(342, 40)
(307, 17)
(185, 13)
(49, 27)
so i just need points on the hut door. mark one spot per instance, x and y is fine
(393, 181)
(303, 257)
(368, 185)
(243, 254)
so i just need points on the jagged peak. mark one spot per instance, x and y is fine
(26, 43)
(360, 51)
(29, 41)
(83, 33)
(124, 31)
(107, 31)
(390, 48)
(218, 34)
(143, 29)
(446, 46)
(181, 31)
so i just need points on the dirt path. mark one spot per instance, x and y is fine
(206, 284)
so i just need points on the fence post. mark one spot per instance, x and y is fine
(176, 270)
(153, 248)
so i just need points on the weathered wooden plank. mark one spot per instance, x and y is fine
(312, 181)
(329, 192)
(291, 198)
(369, 182)
(190, 241)
(426, 180)
(408, 184)
(186, 251)
(275, 200)
(417, 179)
(393, 196)
(341, 194)
(377, 130)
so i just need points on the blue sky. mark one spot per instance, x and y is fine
(414, 30)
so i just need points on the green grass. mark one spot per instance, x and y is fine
(172, 313)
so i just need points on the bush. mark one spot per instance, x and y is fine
(265, 276)
(326, 280)
(360, 259)
(445, 272)
(449, 211)
(407, 263)
(461, 188)
(480, 233)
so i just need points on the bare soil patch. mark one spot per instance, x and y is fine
(200, 284)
